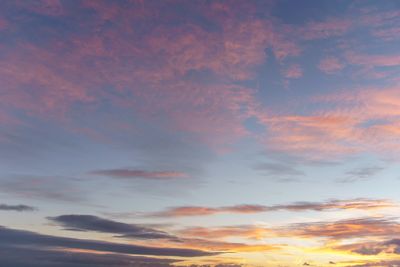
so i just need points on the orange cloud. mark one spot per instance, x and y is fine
(360, 203)
(345, 229)
(251, 232)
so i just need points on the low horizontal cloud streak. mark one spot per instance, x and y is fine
(43, 257)
(135, 173)
(12, 237)
(97, 224)
(19, 208)
(360, 203)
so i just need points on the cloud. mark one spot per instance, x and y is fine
(245, 231)
(215, 244)
(97, 224)
(44, 257)
(203, 211)
(334, 204)
(330, 65)
(157, 82)
(368, 248)
(279, 169)
(387, 34)
(293, 72)
(3, 23)
(380, 228)
(135, 173)
(383, 263)
(43, 187)
(359, 203)
(12, 237)
(331, 27)
(361, 173)
(7, 207)
(373, 60)
(344, 229)
(346, 124)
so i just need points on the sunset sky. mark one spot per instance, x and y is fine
(201, 133)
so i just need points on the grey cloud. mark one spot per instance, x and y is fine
(361, 174)
(136, 173)
(17, 238)
(97, 224)
(43, 187)
(279, 169)
(19, 208)
(29, 257)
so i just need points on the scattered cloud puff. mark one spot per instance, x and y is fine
(330, 65)
(293, 72)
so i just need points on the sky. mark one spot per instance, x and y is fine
(223, 133)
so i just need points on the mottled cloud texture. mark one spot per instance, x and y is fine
(199, 133)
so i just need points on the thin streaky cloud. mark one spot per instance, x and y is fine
(135, 173)
(351, 204)
(20, 207)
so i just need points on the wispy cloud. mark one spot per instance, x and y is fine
(330, 65)
(135, 173)
(20, 207)
(360, 203)
(279, 169)
(43, 187)
(361, 174)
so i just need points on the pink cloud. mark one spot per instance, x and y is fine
(324, 29)
(366, 120)
(3, 23)
(293, 72)
(330, 65)
(149, 72)
(387, 34)
(373, 60)
(44, 7)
